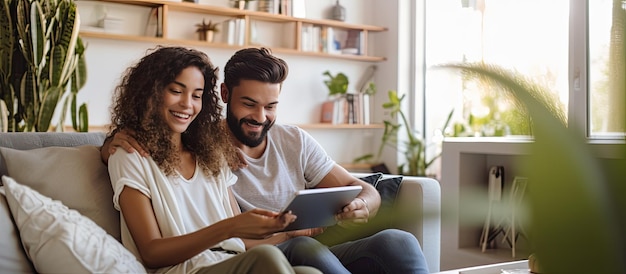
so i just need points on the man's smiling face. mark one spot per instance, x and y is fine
(251, 110)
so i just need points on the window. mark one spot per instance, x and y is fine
(606, 93)
(532, 37)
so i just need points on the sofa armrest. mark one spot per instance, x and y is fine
(421, 196)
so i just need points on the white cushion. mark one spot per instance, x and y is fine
(60, 240)
(75, 176)
(13, 259)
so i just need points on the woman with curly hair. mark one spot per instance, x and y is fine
(177, 210)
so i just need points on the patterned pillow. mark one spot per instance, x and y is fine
(387, 215)
(60, 240)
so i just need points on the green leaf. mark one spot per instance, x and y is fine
(4, 114)
(83, 118)
(337, 84)
(57, 55)
(60, 127)
(38, 38)
(48, 105)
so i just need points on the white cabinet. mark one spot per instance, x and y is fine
(464, 189)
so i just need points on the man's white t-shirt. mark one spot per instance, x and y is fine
(181, 206)
(292, 161)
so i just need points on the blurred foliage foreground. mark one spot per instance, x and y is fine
(576, 200)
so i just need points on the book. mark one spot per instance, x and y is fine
(159, 28)
(239, 31)
(352, 44)
(228, 31)
(316, 39)
(364, 108)
(285, 7)
(306, 38)
(151, 25)
(351, 115)
(327, 112)
(298, 8)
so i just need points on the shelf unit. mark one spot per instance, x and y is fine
(248, 16)
(464, 192)
(341, 126)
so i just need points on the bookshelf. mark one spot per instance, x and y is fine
(251, 21)
(341, 126)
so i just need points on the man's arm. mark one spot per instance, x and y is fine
(364, 206)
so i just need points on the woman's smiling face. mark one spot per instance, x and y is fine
(183, 99)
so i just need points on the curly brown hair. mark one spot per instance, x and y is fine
(137, 100)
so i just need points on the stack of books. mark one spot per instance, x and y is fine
(350, 108)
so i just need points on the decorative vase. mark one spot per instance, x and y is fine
(339, 12)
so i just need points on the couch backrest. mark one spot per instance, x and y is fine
(31, 140)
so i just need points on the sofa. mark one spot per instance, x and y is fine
(57, 215)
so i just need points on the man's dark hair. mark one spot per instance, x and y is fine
(254, 64)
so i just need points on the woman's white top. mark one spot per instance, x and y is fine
(181, 206)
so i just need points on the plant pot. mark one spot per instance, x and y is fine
(208, 36)
(240, 4)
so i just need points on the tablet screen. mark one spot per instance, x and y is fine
(317, 207)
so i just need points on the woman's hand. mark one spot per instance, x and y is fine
(259, 223)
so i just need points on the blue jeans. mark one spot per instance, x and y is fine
(388, 251)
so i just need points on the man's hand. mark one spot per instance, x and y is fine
(124, 139)
(356, 212)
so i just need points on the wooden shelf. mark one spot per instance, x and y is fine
(341, 126)
(248, 16)
(196, 43)
(233, 12)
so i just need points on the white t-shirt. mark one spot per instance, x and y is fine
(292, 161)
(181, 206)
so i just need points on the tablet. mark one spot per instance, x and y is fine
(317, 207)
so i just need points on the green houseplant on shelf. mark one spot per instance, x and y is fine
(42, 65)
(336, 84)
(414, 148)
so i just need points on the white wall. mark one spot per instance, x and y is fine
(303, 91)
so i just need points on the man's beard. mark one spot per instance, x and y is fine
(235, 127)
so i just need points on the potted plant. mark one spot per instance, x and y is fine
(414, 148)
(206, 31)
(42, 64)
(336, 84)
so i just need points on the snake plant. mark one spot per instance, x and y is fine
(41, 63)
